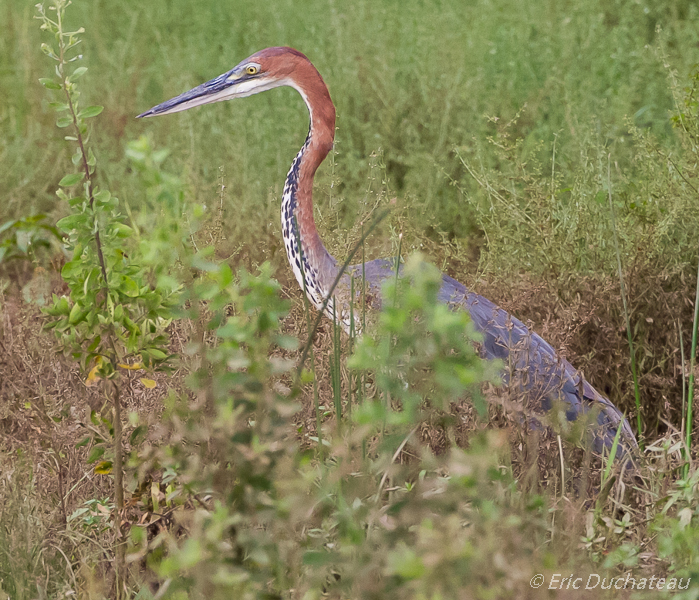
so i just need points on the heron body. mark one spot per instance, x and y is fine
(532, 363)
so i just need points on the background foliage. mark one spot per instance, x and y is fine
(410, 81)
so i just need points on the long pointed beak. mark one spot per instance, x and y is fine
(224, 87)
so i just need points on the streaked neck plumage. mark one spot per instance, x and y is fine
(319, 268)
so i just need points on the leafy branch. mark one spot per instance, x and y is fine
(113, 320)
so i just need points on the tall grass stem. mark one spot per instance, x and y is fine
(636, 387)
(340, 273)
(309, 344)
(692, 363)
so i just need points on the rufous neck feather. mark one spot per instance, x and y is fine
(318, 268)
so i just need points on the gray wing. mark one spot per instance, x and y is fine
(530, 361)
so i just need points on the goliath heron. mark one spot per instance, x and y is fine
(533, 363)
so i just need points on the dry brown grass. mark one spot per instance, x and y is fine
(37, 386)
(583, 319)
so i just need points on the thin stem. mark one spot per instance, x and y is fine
(395, 456)
(340, 273)
(684, 381)
(395, 289)
(309, 344)
(83, 153)
(563, 469)
(116, 397)
(352, 334)
(120, 547)
(118, 450)
(677, 169)
(363, 282)
(692, 363)
(636, 387)
(363, 375)
(337, 375)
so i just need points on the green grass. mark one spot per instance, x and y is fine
(410, 79)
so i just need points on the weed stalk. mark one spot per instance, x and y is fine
(636, 387)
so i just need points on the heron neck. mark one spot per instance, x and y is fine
(318, 269)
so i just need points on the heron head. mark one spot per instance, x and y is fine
(264, 70)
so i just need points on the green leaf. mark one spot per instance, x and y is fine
(288, 342)
(102, 196)
(129, 287)
(90, 111)
(60, 307)
(71, 222)
(122, 230)
(405, 563)
(84, 442)
(49, 84)
(95, 453)
(59, 106)
(64, 122)
(229, 331)
(79, 72)
(77, 314)
(78, 512)
(199, 261)
(225, 276)
(8, 224)
(138, 435)
(191, 554)
(119, 313)
(75, 202)
(155, 353)
(71, 179)
(71, 268)
(61, 325)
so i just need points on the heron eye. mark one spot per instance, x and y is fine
(251, 70)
